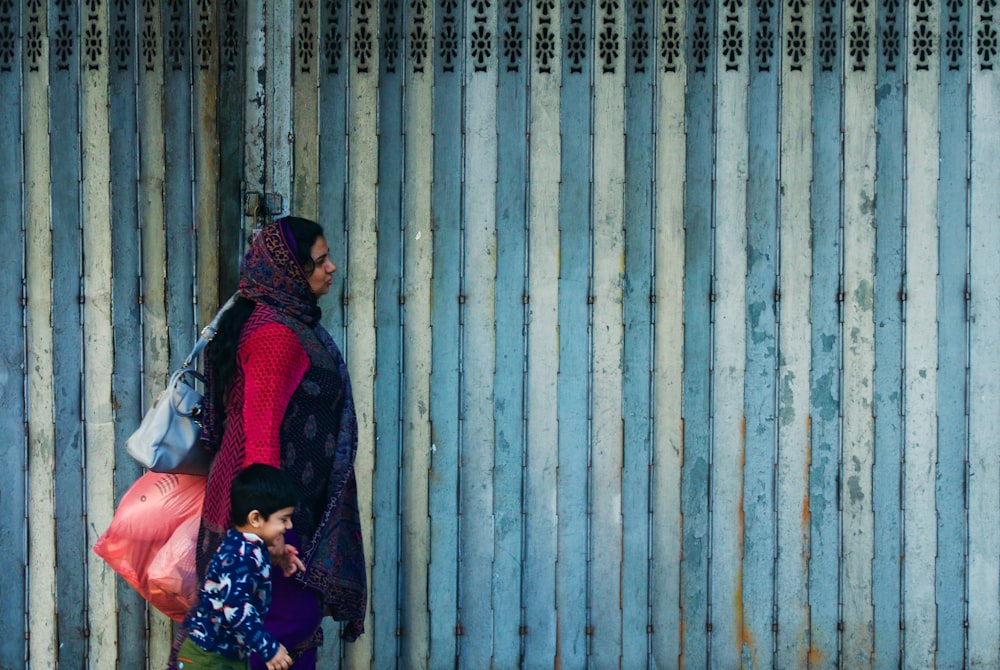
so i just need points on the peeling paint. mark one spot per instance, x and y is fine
(754, 312)
(854, 486)
(824, 398)
(864, 295)
(787, 410)
(867, 204)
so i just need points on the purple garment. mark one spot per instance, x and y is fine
(294, 619)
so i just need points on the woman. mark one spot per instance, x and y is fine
(279, 393)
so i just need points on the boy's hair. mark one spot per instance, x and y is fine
(260, 487)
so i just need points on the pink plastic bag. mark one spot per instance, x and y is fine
(152, 537)
(171, 576)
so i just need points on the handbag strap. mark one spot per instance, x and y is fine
(208, 332)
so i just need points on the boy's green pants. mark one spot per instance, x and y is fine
(192, 657)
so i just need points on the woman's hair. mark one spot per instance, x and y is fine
(260, 487)
(304, 233)
(223, 346)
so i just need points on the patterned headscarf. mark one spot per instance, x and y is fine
(271, 274)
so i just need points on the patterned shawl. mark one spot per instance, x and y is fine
(319, 436)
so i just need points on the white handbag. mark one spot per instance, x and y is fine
(169, 437)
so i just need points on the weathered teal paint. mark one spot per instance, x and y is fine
(696, 475)
(232, 41)
(886, 568)
(445, 384)
(541, 505)
(542, 542)
(64, 95)
(573, 569)
(333, 95)
(388, 352)
(953, 348)
(509, 401)
(181, 254)
(333, 201)
(478, 341)
(333, 214)
(760, 387)
(13, 369)
(637, 313)
(825, 382)
(126, 306)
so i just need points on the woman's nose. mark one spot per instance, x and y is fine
(332, 266)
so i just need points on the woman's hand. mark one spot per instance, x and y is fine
(286, 557)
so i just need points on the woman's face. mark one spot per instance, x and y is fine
(321, 277)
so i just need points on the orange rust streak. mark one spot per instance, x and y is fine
(746, 637)
(815, 656)
(557, 661)
(806, 514)
(680, 655)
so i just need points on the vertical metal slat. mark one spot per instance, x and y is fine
(826, 376)
(696, 491)
(887, 379)
(575, 221)
(540, 489)
(13, 399)
(952, 355)
(795, 256)
(636, 343)
(126, 245)
(760, 400)
(669, 188)
(67, 291)
(445, 348)
(418, 268)
(920, 330)
(388, 346)
(478, 335)
(984, 361)
(508, 377)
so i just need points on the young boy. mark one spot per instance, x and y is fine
(226, 625)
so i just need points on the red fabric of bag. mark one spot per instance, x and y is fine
(151, 539)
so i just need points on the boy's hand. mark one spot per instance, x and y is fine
(286, 557)
(281, 660)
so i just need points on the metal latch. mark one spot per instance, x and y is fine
(261, 208)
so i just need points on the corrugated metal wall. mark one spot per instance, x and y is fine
(673, 326)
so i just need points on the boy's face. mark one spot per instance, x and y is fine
(272, 529)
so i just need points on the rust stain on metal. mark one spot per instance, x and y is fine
(680, 628)
(806, 515)
(815, 656)
(557, 661)
(681, 434)
(746, 637)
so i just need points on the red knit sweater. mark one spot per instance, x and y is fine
(273, 364)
